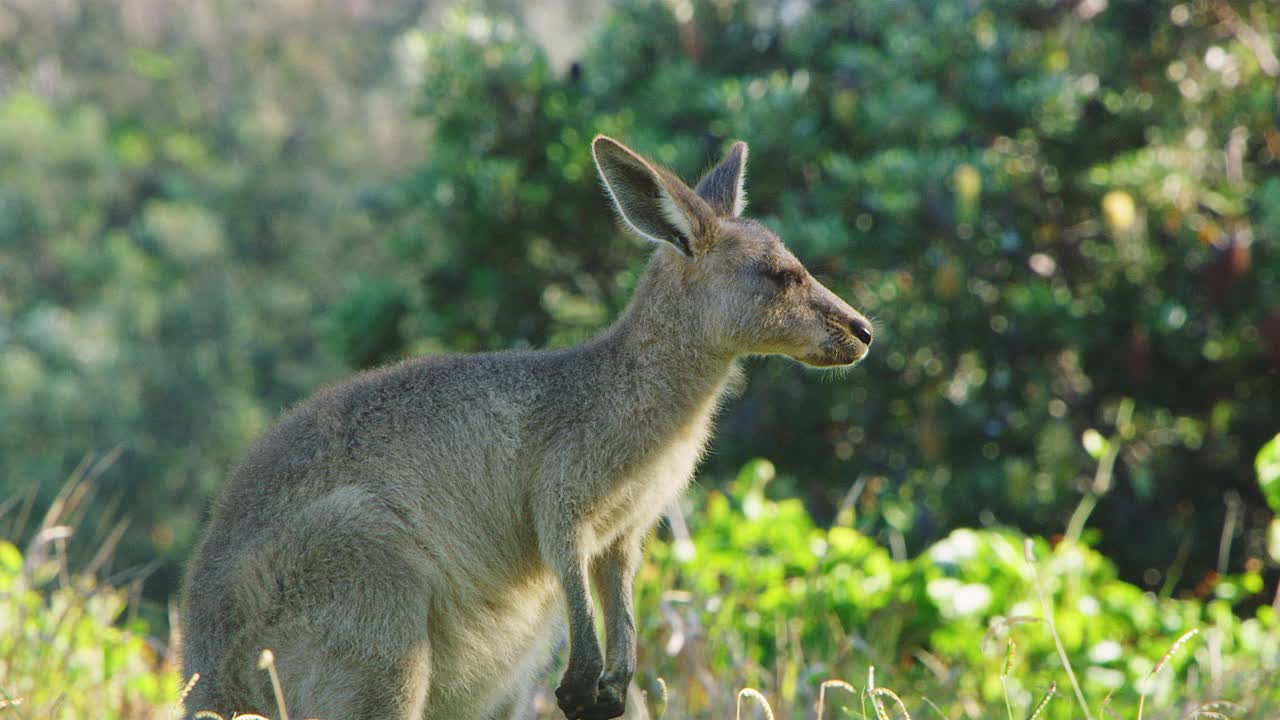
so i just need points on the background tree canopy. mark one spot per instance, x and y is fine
(1062, 214)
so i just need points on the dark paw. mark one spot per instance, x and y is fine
(611, 695)
(576, 694)
(585, 698)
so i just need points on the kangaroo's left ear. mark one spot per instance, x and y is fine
(722, 188)
(653, 202)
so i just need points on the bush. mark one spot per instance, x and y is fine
(69, 648)
(758, 595)
(172, 211)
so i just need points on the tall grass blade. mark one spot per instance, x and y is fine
(11, 704)
(1044, 702)
(267, 661)
(658, 706)
(1164, 660)
(1028, 553)
(1010, 655)
(186, 689)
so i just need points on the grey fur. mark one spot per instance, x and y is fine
(412, 542)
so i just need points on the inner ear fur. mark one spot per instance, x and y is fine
(653, 202)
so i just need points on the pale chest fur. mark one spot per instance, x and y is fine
(637, 499)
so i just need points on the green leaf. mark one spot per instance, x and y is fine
(753, 476)
(1273, 539)
(10, 558)
(1268, 466)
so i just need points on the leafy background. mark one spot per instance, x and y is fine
(1061, 213)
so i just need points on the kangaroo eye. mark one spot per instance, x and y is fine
(783, 278)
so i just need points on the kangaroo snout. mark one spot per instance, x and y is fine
(846, 336)
(852, 341)
(849, 320)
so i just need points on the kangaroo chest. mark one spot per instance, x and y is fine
(641, 492)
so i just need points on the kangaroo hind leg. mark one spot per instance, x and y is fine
(342, 596)
(320, 681)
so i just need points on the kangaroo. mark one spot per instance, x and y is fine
(411, 543)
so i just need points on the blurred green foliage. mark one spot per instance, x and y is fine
(1268, 466)
(759, 595)
(1062, 214)
(67, 649)
(178, 183)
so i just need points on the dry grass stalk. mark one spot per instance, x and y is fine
(1164, 660)
(760, 700)
(267, 661)
(822, 693)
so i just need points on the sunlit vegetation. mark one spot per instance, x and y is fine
(1062, 215)
(71, 642)
(758, 595)
(754, 594)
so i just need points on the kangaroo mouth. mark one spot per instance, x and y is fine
(836, 355)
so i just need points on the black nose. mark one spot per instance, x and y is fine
(861, 329)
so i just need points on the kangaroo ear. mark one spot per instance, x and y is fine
(653, 202)
(721, 187)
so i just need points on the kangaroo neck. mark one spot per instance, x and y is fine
(662, 361)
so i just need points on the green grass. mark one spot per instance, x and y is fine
(984, 624)
(70, 645)
(754, 611)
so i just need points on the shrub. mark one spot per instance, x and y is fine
(759, 595)
(69, 648)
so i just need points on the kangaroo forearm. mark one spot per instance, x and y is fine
(585, 656)
(613, 574)
(621, 654)
(577, 694)
(562, 551)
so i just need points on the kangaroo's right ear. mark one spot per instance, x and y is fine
(722, 187)
(654, 203)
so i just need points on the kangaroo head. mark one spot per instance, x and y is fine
(745, 292)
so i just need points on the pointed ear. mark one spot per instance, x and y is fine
(653, 202)
(722, 186)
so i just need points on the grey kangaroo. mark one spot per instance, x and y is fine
(412, 542)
